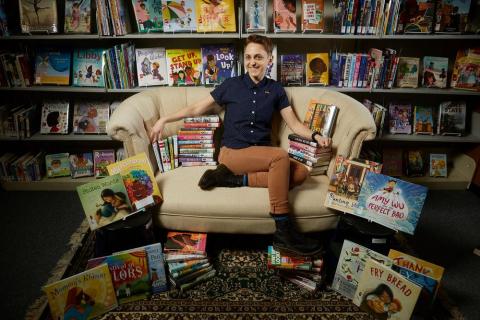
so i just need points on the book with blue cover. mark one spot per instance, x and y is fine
(219, 63)
(52, 66)
(292, 69)
(88, 66)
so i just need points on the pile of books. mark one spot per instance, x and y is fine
(306, 272)
(309, 153)
(187, 259)
(196, 142)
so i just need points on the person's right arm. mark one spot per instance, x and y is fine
(197, 109)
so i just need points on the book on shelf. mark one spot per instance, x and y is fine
(90, 117)
(184, 67)
(423, 120)
(57, 165)
(81, 164)
(451, 16)
(452, 118)
(101, 159)
(52, 66)
(78, 16)
(465, 73)
(292, 69)
(271, 72)
(317, 69)
(400, 118)
(313, 15)
(378, 113)
(219, 63)
(215, 16)
(151, 67)
(88, 66)
(414, 163)
(407, 74)
(279, 260)
(4, 32)
(55, 117)
(185, 242)
(438, 165)
(256, 15)
(179, 16)
(416, 16)
(36, 17)
(148, 15)
(284, 16)
(392, 159)
(473, 21)
(435, 71)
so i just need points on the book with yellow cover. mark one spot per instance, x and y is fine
(320, 117)
(415, 264)
(184, 67)
(83, 296)
(317, 69)
(215, 16)
(139, 180)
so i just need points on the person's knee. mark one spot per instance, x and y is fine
(280, 154)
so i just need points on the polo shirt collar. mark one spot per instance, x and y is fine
(250, 84)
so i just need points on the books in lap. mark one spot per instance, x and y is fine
(52, 67)
(151, 67)
(148, 15)
(38, 17)
(186, 242)
(77, 16)
(88, 66)
(91, 117)
(57, 165)
(101, 159)
(81, 164)
(256, 15)
(451, 118)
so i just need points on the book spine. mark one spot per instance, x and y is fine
(204, 142)
(302, 160)
(201, 124)
(196, 164)
(156, 151)
(212, 118)
(195, 136)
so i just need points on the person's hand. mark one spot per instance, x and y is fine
(157, 129)
(323, 141)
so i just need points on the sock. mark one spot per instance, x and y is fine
(245, 180)
(280, 219)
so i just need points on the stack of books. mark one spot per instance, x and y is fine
(309, 153)
(195, 141)
(306, 272)
(187, 259)
(166, 153)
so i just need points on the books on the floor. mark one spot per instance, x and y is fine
(186, 242)
(438, 165)
(278, 260)
(81, 164)
(182, 257)
(77, 16)
(452, 118)
(101, 159)
(57, 165)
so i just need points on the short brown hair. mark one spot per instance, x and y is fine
(262, 40)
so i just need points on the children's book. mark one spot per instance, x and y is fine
(86, 295)
(284, 15)
(52, 67)
(435, 70)
(415, 264)
(451, 118)
(452, 16)
(219, 63)
(137, 174)
(81, 164)
(292, 69)
(57, 165)
(400, 118)
(391, 202)
(186, 242)
(3, 21)
(215, 16)
(148, 15)
(466, 70)
(320, 117)
(151, 67)
(313, 15)
(317, 69)
(423, 120)
(91, 117)
(178, 16)
(416, 17)
(392, 162)
(184, 67)
(407, 72)
(384, 293)
(77, 16)
(55, 116)
(278, 260)
(473, 21)
(438, 165)
(256, 15)
(351, 265)
(414, 163)
(38, 16)
(346, 182)
(428, 285)
(101, 159)
(271, 71)
(88, 67)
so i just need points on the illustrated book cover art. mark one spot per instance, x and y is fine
(400, 118)
(392, 160)
(139, 180)
(256, 15)
(101, 159)
(391, 202)
(38, 16)
(466, 70)
(313, 15)
(90, 117)
(346, 182)
(151, 67)
(429, 285)
(320, 117)
(57, 165)
(438, 165)
(148, 15)
(55, 117)
(384, 293)
(184, 67)
(407, 72)
(423, 120)
(271, 71)
(219, 63)
(88, 68)
(452, 118)
(435, 71)
(317, 69)
(351, 265)
(292, 69)
(416, 264)
(52, 67)
(186, 242)
(284, 15)
(416, 16)
(179, 16)
(414, 163)
(77, 16)
(81, 164)
(215, 16)
(83, 296)
(452, 16)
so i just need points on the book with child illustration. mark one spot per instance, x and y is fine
(186, 242)
(407, 72)
(438, 165)
(57, 165)
(90, 117)
(101, 159)
(151, 67)
(78, 16)
(219, 63)
(317, 69)
(81, 164)
(184, 67)
(435, 72)
(148, 15)
(54, 117)
(88, 68)
(36, 17)
(284, 15)
(179, 16)
(465, 73)
(256, 15)
(215, 16)
(400, 118)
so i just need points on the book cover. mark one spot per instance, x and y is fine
(54, 117)
(292, 69)
(148, 15)
(400, 116)
(317, 69)
(83, 296)
(423, 120)
(271, 71)
(435, 71)
(185, 265)
(178, 16)
(88, 66)
(438, 165)
(451, 118)
(392, 162)
(156, 267)
(416, 264)
(90, 117)
(351, 265)
(465, 74)
(77, 16)
(416, 17)
(38, 17)
(81, 164)
(346, 182)
(215, 16)
(284, 15)
(414, 163)
(256, 15)
(101, 159)
(3, 22)
(391, 202)
(407, 72)
(219, 63)
(320, 117)
(151, 67)
(52, 67)
(57, 165)
(184, 67)
(384, 293)
(186, 242)
(277, 260)
(313, 15)
(452, 16)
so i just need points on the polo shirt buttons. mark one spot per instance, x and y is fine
(251, 123)
(251, 131)
(253, 101)
(253, 112)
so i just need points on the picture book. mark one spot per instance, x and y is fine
(451, 118)
(130, 277)
(215, 16)
(52, 67)
(256, 15)
(429, 285)
(407, 72)
(438, 165)
(384, 293)
(81, 164)
(392, 162)
(54, 117)
(271, 71)
(423, 120)
(101, 159)
(88, 68)
(473, 21)
(415, 264)
(77, 16)
(284, 16)
(346, 182)
(414, 163)
(156, 267)
(38, 17)
(452, 16)
(292, 69)
(90, 117)
(186, 242)
(3, 20)
(466, 70)
(317, 69)
(57, 165)
(416, 16)
(313, 15)
(184, 67)
(320, 117)
(151, 67)
(219, 63)
(137, 174)
(400, 116)
(391, 202)
(351, 265)
(435, 71)
(279, 260)
(148, 15)
(104, 201)
(178, 16)
(83, 296)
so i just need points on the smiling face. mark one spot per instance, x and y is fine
(256, 61)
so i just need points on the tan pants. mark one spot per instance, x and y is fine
(267, 167)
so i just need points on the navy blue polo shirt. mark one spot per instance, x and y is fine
(249, 109)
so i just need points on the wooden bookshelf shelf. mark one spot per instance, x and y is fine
(427, 138)
(53, 184)
(62, 137)
(55, 89)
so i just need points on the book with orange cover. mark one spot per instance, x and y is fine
(186, 242)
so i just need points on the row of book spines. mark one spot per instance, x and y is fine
(178, 266)
(120, 67)
(401, 165)
(166, 153)
(111, 19)
(15, 70)
(302, 280)
(19, 122)
(191, 277)
(358, 17)
(27, 167)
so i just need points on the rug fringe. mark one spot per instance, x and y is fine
(35, 310)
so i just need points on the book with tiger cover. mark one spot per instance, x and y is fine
(317, 69)
(184, 67)
(185, 242)
(215, 16)
(313, 15)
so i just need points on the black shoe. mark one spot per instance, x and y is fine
(220, 177)
(289, 241)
